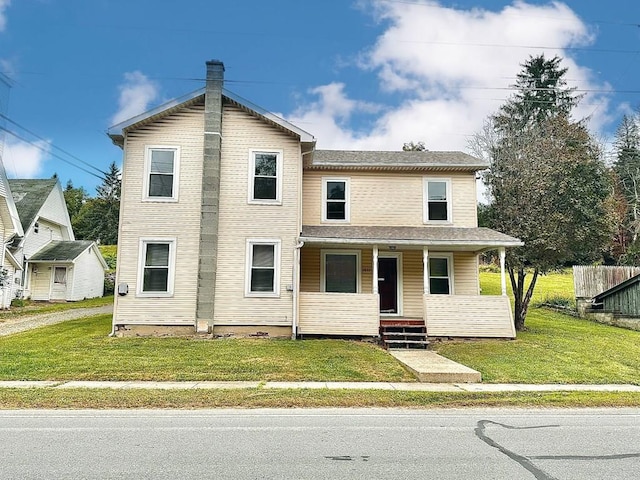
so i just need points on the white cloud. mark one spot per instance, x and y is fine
(451, 68)
(4, 4)
(136, 94)
(24, 160)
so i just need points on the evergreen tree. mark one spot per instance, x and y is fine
(547, 181)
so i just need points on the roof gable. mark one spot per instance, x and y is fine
(65, 251)
(29, 197)
(117, 132)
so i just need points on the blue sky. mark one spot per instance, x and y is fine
(359, 74)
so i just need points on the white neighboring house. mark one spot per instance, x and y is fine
(56, 266)
(11, 228)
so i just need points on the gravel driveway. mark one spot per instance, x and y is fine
(20, 324)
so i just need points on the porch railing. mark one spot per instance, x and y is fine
(338, 314)
(468, 316)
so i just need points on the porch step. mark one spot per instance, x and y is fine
(403, 333)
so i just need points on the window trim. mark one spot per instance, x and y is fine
(347, 199)
(450, 269)
(66, 271)
(425, 200)
(147, 173)
(277, 243)
(251, 171)
(143, 242)
(323, 268)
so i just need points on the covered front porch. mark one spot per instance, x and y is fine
(348, 282)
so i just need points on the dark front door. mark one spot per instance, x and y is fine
(388, 284)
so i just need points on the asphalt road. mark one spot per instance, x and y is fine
(320, 444)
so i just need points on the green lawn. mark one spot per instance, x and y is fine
(31, 307)
(80, 349)
(555, 348)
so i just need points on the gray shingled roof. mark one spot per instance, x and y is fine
(351, 159)
(61, 251)
(479, 238)
(29, 196)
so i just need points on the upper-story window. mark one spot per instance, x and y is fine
(335, 204)
(437, 200)
(265, 182)
(162, 164)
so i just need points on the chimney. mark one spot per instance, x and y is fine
(209, 212)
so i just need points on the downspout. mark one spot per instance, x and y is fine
(296, 289)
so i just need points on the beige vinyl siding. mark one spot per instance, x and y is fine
(179, 220)
(468, 316)
(412, 283)
(338, 314)
(47, 231)
(87, 277)
(465, 273)
(310, 269)
(390, 199)
(241, 221)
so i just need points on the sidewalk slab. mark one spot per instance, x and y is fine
(226, 385)
(430, 367)
(515, 387)
(301, 385)
(92, 384)
(426, 387)
(360, 385)
(27, 384)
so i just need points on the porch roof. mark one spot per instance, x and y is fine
(451, 238)
(60, 251)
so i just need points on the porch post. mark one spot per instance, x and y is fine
(503, 278)
(425, 269)
(375, 269)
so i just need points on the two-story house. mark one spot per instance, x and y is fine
(232, 222)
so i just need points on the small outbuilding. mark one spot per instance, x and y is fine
(67, 270)
(619, 305)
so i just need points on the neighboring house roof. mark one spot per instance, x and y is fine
(617, 288)
(29, 197)
(65, 252)
(8, 210)
(117, 132)
(480, 238)
(385, 160)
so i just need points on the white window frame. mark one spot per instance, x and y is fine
(142, 250)
(449, 257)
(252, 169)
(347, 199)
(147, 173)
(277, 243)
(66, 272)
(425, 200)
(323, 268)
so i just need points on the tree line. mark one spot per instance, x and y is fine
(96, 218)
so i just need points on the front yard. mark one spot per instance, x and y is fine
(556, 348)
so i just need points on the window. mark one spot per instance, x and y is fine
(60, 275)
(341, 271)
(440, 275)
(162, 173)
(36, 227)
(157, 263)
(335, 204)
(265, 170)
(263, 259)
(437, 194)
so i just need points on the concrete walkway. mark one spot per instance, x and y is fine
(430, 367)
(412, 387)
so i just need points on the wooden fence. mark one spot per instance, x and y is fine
(591, 281)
